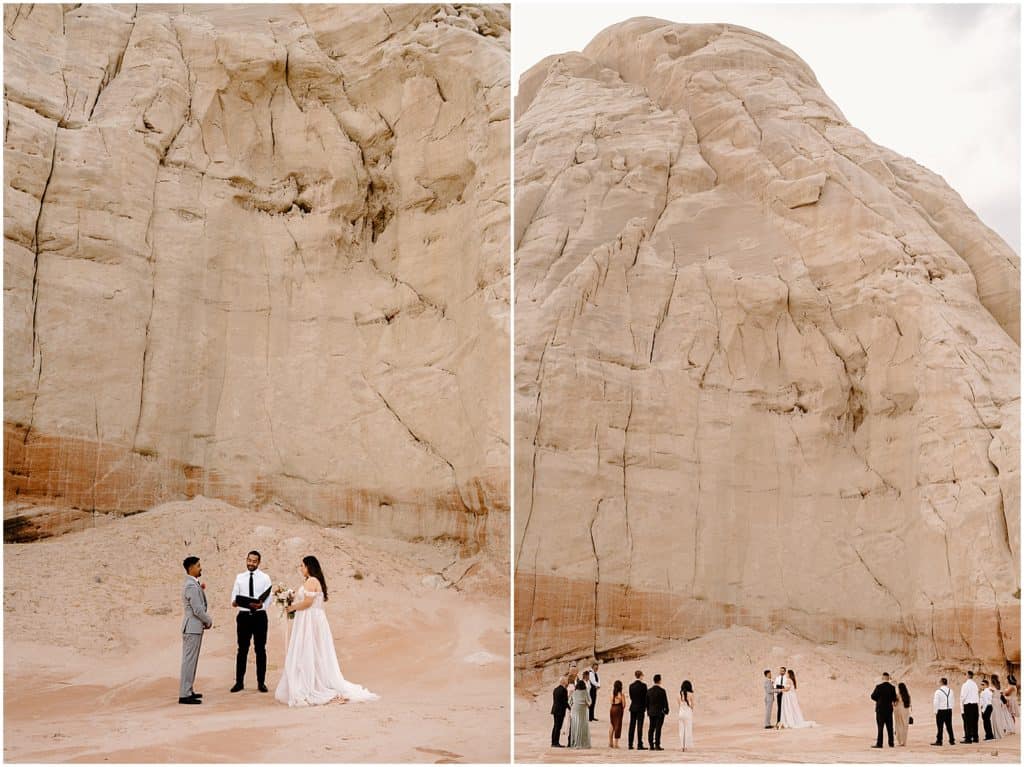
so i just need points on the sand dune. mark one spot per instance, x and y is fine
(92, 646)
(725, 667)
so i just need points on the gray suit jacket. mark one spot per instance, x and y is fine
(769, 689)
(196, 619)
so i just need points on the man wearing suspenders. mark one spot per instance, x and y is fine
(942, 702)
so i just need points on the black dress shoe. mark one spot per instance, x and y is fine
(196, 695)
(557, 745)
(641, 748)
(263, 688)
(189, 701)
(877, 745)
(238, 687)
(768, 727)
(936, 743)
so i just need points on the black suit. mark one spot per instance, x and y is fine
(657, 709)
(885, 698)
(637, 709)
(251, 625)
(593, 694)
(559, 705)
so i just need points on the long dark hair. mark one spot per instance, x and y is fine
(617, 687)
(685, 691)
(792, 676)
(313, 566)
(904, 695)
(995, 682)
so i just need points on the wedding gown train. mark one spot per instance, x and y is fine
(311, 675)
(792, 716)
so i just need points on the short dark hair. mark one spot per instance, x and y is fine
(586, 673)
(885, 674)
(580, 684)
(767, 672)
(256, 553)
(657, 678)
(189, 561)
(970, 675)
(638, 673)
(984, 682)
(943, 681)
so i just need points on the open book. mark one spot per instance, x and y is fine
(253, 602)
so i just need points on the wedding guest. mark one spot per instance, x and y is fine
(595, 685)
(579, 727)
(903, 714)
(1012, 694)
(969, 708)
(657, 710)
(769, 698)
(942, 702)
(780, 685)
(884, 696)
(559, 705)
(686, 715)
(615, 714)
(986, 709)
(1002, 722)
(637, 709)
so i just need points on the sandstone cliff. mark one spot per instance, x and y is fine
(258, 253)
(766, 371)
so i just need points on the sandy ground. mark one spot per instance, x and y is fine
(726, 668)
(92, 646)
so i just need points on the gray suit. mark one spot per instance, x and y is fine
(195, 622)
(769, 698)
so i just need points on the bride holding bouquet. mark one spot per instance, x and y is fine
(311, 675)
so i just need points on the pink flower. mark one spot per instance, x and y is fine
(202, 586)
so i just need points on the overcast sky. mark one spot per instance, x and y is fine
(937, 83)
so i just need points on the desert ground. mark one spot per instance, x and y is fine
(92, 645)
(726, 668)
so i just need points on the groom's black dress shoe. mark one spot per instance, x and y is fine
(264, 688)
(237, 688)
(196, 695)
(189, 701)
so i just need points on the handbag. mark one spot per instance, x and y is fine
(910, 720)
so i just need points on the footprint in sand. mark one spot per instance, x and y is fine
(447, 757)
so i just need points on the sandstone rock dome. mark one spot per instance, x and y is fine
(258, 253)
(766, 370)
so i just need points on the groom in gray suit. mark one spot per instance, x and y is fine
(195, 622)
(769, 698)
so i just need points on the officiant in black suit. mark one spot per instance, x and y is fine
(637, 710)
(559, 705)
(885, 698)
(251, 621)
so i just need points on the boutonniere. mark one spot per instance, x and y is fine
(202, 586)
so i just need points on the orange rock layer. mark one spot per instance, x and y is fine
(75, 478)
(559, 618)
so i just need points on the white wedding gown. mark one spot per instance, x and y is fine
(792, 717)
(312, 676)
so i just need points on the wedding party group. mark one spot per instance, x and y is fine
(996, 706)
(576, 693)
(312, 676)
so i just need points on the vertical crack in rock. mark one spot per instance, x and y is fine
(597, 574)
(625, 488)
(881, 585)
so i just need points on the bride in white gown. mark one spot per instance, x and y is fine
(311, 675)
(792, 717)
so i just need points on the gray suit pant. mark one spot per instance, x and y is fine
(769, 699)
(190, 644)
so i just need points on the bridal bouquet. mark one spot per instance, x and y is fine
(284, 596)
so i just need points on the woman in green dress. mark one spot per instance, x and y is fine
(579, 723)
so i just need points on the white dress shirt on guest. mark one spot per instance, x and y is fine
(942, 699)
(594, 680)
(968, 692)
(986, 698)
(260, 583)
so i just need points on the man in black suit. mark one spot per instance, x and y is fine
(559, 705)
(885, 698)
(657, 710)
(637, 709)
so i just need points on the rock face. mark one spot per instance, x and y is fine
(259, 253)
(766, 371)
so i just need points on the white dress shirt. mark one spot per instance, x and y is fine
(986, 698)
(594, 681)
(260, 583)
(968, 692)
(780, 680)
(942, 699)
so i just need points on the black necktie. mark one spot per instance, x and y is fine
(251, 592)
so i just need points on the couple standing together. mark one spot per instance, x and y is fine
(311, 675)
(781, 692)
